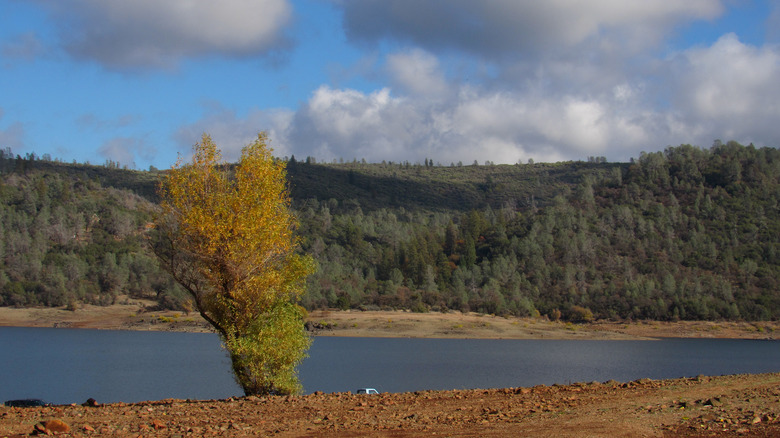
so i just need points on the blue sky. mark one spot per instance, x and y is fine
(139, 81)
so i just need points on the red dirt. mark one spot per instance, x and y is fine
(727, 406)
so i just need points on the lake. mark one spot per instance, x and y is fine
(69, 365)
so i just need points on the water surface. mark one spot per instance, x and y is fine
(70, 365)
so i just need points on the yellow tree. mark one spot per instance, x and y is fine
(227, 235)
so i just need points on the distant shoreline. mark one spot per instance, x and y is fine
(135, 315)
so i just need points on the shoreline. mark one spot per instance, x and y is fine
(136, 316)
(727, 406)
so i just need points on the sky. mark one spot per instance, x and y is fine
(507, 81)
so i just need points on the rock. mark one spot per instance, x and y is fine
(51, 426)
(315, 327)
(91, 402)
(708, 418)
(57, 426)
(715, 401)
(157, 424)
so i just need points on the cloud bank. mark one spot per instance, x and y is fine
(453, 80)
(551, 81)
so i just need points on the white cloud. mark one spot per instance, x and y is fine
(350, 124)
(729, 89)
(150, 33)
(550, 128)
(473, 125)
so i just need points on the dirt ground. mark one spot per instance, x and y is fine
(727, 406)
(477, 326)
(139, 315)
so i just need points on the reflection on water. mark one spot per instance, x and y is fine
(69, 366)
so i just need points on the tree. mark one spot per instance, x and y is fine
(226, 234)
(450, 239)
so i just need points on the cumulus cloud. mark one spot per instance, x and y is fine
(473, 125)
(417, 72)
(351, 124)
(729, 89)
(149, 33)
(500, 28)
(566, 81)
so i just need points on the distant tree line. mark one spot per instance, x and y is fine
(687, 233)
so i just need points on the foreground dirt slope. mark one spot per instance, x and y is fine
(742, 405)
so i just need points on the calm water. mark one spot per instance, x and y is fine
(69, 366)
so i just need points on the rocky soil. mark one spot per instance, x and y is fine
(741, 405)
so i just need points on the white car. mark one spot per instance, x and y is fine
(367, 391)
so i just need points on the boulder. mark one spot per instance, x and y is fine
(91, 402)
(49, 427)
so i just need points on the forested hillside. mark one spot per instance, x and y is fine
(688, 233)
(75, 234)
